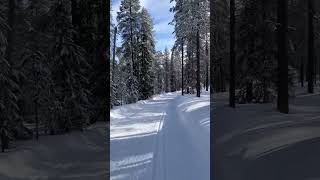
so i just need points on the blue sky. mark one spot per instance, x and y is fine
(161, 16)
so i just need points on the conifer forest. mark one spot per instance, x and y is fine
(53, 85)
(160, 90)
(266, 70)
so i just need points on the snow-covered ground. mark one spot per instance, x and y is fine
(73, 156)
(164, 138)
(255, 141)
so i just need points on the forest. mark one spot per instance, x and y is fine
(266, 85)
(53, 67)
(160, 90)
(264, 50)
(139, 71)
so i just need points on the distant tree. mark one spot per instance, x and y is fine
(172, 72)
(166, 69)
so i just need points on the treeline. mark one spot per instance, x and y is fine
(139, 71)
(132, 75)
(264, 49)
(192, 31)
(53, 65)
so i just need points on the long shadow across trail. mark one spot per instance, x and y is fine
(134, 133)
(257, 142)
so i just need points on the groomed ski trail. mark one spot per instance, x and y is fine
(165, 138)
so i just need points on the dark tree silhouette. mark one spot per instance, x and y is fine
(283, 104)
(310, 47)
(232, 54)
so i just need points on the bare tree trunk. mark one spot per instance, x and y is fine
(182, 56)
(232, 54)
(310, 47)
(283, 94)
(198, 64)
(301, 72)
(105, 54)
(11, 22)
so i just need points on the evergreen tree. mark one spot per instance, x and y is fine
(166, 69)
(146, 55)
(172, 72)
(158, 73)
(69, 69)
(128, 23)
(10, 117)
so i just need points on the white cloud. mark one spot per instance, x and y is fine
(163, 43)
(163, 27)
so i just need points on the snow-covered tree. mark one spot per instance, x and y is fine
(69, 66)
(173, 79)
(191, 22)
(157, 68)
(166, 70)
(128, 25)
(146, 55)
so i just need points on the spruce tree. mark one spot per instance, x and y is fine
(128, 27)
(146, 55)
(69, 66)
(166, 69)
(9, 109)
(172, 72)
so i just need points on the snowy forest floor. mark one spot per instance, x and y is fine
(72, 156)
(255, 141)
(164, 138)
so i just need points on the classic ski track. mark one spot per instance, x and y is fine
(156, 147)
(160, 136)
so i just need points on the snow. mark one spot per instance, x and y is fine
(164, 138)
(256, 139)
(73, 156)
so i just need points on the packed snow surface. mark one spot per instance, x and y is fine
(164, 138)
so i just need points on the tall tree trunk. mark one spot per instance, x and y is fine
(11, 22)
(310, 47)
(232, 54)
(182, 56)
(114, 52)
(207, 67)
(105, 54)
(283, 94)
(172, 80)
(198, 64)
(131, 42)
(76, 20)
(113, 61)
(301, 72)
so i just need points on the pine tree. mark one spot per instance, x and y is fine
(146, 55)
(191, 22)
(172, 72)
(69, 69)
(128, 19)
(9, 110)
(158, 70)
(166, 69)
